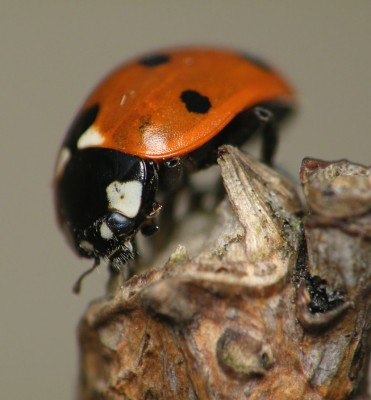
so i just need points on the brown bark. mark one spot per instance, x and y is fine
(275, 305)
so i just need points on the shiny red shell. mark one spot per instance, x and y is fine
(141, 111)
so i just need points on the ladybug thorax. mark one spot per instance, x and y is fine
(104, 196)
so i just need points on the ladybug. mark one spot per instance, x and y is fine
(145, 127)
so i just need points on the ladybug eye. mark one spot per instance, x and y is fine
(119, 224)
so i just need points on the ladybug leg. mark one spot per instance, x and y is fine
(149, 226)
(248, 123)
(269, 134)
(171, 174)
(149, 229)
(155, 233)
(172, 177)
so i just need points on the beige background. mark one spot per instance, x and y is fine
(52, 53)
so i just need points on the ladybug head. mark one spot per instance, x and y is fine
(103, 198)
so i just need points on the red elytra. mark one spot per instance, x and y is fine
(141, 108)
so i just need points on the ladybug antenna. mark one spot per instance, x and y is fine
(77, 286)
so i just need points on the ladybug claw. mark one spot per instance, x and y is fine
(156, 208)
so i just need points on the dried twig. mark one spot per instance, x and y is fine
(274, 306)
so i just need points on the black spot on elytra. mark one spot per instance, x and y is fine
(154, 60)
(257, 61)
(195, 101)
(81, 123)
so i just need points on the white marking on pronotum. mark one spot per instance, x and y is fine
(105, 231)
(90, 138)
(64, 157)
(125, 197)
